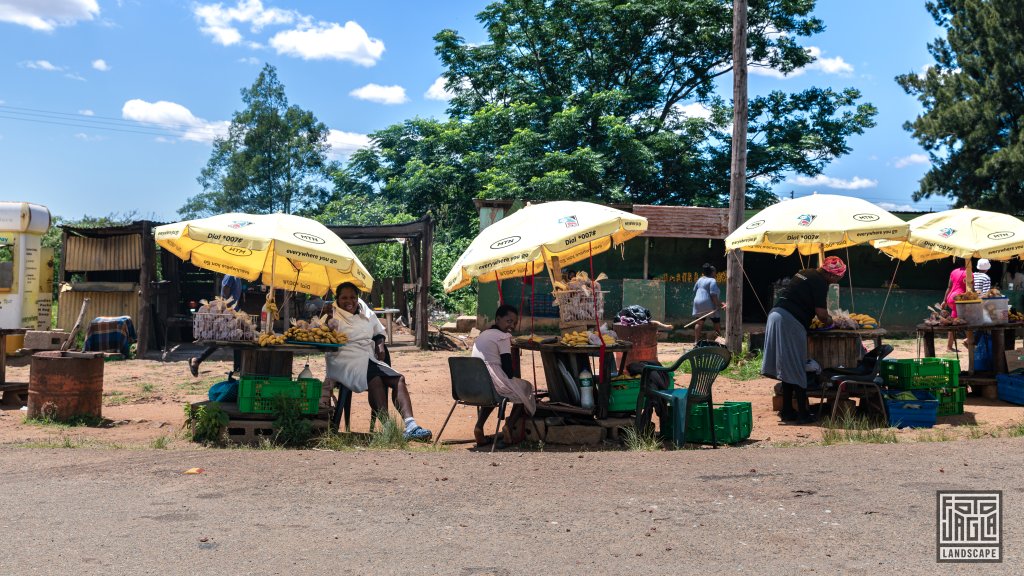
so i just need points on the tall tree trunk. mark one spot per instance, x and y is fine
(738, 182)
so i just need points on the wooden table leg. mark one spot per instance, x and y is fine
(928, 336)
(3, 358)
(970, 352)
(998, 350)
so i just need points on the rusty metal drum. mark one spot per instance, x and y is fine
(65, 385)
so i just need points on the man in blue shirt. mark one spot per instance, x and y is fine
(230, 288)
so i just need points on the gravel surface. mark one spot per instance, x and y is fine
(854, 509)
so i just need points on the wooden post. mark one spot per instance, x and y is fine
(147, 273)
(388, 293)
(647, 250)
(423, 298)
(738, 177)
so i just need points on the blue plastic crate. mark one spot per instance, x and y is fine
(922, 412)
(1010, 388)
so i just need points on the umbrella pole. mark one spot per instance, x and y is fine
(821, 255)
(969, 278)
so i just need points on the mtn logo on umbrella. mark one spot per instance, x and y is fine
(865, 217)
(308, 238)
(236, 224)
(805, 219)
(1000, 235)
(946, 232)
(569, 221)
(505, 242)
(237, 251)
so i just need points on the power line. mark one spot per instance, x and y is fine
(102, 122)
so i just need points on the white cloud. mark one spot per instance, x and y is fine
(86, 112)
(101, 65)
(218, 21)
(343, 144)
(174, 117)
(380, 94)
(47, 15)
(87, 138)
(896, 207)
(42, 65)
(821, 64)
(694, 110)
(437, 91)
(251, 60)
(74, 76)
(329, 41)
(855, 183)
(911, 160)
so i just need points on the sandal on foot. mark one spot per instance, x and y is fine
(419, 434)
(481, 438)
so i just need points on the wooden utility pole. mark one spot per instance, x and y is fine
(738, 176)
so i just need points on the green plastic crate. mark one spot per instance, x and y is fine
(733, 422)
(951, 400)
(622, 397)
(920, 374)
(256, 394)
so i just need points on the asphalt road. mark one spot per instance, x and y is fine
(811, 510)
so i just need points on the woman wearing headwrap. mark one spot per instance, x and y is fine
(785, 339)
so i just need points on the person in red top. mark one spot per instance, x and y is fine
(957, 285)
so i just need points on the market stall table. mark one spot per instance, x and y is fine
(561, 361)
(1001, 334)
(835, 348)
(266, 360)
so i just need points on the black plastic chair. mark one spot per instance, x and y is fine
(861, 381)
(706, 362)
(472, 386)
(342, 403)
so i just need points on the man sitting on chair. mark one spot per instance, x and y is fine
(494, 347)
(359, 364)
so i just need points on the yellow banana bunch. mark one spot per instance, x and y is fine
(816, 324)
(321, 334)
(577, 338)
(865, 321)
(266, 339)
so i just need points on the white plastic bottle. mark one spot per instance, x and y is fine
(306, 372)
(586, 389)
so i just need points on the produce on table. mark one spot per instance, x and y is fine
(586, 338)
(843, 320)
(217, 320)
(577, 299)
(940, 317)
(320, 330)
(1016, 316)
(273, 339)
(969, 295)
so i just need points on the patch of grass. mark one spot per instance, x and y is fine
(77, 421)
(70, 442)
(160, 443)
(147, 387)
(850, 429)
(207, 423)
(290, 427)
(339, 442)
(934, 435)
(389, 434)
(975, 432)
(640, 441)
(744, 366)
(1015, 431)
(115, 398)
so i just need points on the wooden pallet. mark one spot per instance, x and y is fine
(253, 431)
(985, 386)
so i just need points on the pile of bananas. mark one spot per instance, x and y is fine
(585, 338)
(816, 324)
(266, 339)
(321, 334)
(865, 321)
(1016, 316)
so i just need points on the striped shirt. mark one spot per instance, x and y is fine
(982, 283)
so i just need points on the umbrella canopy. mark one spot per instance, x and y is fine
(962, 232)
(815, 223)
(527, 240)
(284, 251)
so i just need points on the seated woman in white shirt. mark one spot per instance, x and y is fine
(359, 364)
(494, 347)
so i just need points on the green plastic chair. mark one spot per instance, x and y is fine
(705, 363)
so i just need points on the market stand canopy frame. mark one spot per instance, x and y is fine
(283, 250)
(551, 235)
(814, 224)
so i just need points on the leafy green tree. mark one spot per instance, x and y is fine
(274, 158)
(973, 120)
(587, 100)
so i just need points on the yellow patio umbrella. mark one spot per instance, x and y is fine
(284, 251)
(815, 224)
(962, 232)
(551, 234)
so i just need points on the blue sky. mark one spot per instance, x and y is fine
(110, 106)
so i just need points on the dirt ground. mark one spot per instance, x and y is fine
(143, 399)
